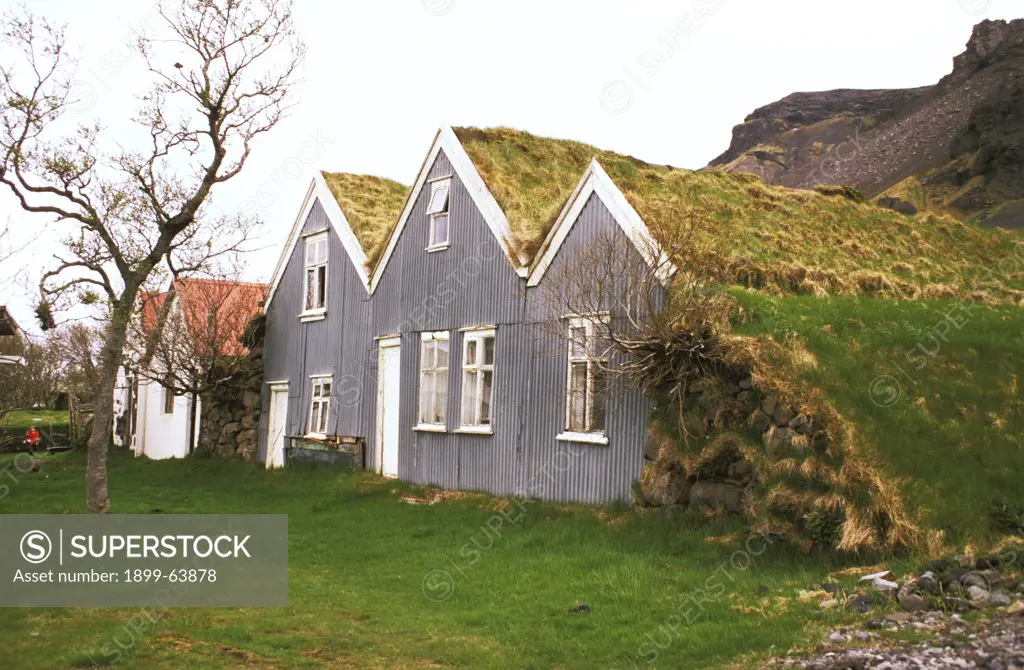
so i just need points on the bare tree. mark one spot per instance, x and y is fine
(77, 347)
(35, 381)
(8, 251)
(221, 74)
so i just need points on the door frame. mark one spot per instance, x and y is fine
(132, 425)
(275, 387)
(391, 342)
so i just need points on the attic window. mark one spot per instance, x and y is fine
(437, 210)
(316, 274)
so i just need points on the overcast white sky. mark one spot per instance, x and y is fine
(663, 80)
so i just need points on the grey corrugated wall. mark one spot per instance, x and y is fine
(337, 345)
(566, 471)
(468, 285)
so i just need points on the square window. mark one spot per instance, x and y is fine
(439, 197)
(439, 230)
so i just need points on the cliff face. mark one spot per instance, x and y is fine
(955, 147)
(805, 110)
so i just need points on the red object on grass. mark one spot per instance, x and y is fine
(32, 436)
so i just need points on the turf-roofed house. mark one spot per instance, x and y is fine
(429, 322)
(411, 318)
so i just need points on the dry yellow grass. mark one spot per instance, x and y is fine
(763, 236)
(371, 205)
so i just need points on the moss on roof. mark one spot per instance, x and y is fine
(371, 205)
(763, 235)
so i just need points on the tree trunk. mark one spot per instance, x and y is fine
(97, 496)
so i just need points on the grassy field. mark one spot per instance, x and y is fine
(16, 423)
(364, 580)
(379, 583)
(933, 387)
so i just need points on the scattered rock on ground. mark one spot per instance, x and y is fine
(994, 644)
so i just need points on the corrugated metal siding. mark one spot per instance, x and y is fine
(469, 284)
(336, 346)
(566, 471)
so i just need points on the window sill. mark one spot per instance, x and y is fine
(474, 430)
(315, 436)
(437, 247)
(583, 438)
(430, 428)
(306, 317)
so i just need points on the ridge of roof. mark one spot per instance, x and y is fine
(532, 177)
(371, 204)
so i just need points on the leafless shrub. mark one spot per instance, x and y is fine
(658, 309)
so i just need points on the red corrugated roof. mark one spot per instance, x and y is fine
(216, 311)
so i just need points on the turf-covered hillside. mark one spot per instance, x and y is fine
(933, 390)
(762, 236)
(371, 205)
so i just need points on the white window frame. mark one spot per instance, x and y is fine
(317, 312)
(321, 401)
(474, 404)
(593, 361)
(435, 210)
(430, 375)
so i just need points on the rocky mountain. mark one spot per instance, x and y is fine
(956, 147)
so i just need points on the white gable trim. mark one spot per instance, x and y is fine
(596, 181)
(318, 190)
(446, 140)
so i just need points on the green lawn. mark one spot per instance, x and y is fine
(932, 386)
(359, 565)
(14, 424)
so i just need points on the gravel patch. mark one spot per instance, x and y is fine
(994, 644)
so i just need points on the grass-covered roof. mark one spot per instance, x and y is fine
(764, 235)
(372, 206)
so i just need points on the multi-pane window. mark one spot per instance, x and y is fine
(434, 379)
(320, 405)
(477, 378)
(316, 273)
(587, 384)
(437, 210)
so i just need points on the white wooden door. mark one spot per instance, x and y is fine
(388, 393)
(276, 424)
